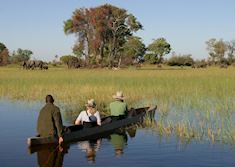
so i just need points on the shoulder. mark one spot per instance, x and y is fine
(82, 113)
(56, 109)
(97, 113)
(113, 103)
(43, 108)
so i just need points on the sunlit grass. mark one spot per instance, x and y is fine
(192, 103)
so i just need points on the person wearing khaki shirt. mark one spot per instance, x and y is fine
(49, 120)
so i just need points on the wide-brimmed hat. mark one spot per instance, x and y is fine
(91, 103)
(119, 95)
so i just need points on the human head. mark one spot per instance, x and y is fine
(91, 103)
(49, 99)
(119, 96)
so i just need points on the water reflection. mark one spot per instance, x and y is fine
(51, 156)
(90, 147)
(119, 142)
(147, 149)
(119, 139)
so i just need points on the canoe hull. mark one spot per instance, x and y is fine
(88, 133)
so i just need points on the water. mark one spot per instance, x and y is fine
(142, 147)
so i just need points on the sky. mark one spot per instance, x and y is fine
(37, 25)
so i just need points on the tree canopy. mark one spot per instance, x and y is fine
(157, 49)
(4, 54)
(133, 51)
(220, 51)
(102, 31)
(21, 55)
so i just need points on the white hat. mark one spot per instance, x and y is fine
(119, 95)
(91, 103)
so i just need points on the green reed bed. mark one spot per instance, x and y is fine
(191, 102)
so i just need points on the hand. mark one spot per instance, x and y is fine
(61, 140)
(61, 148)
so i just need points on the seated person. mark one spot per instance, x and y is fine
(118, 108)
(90, 117)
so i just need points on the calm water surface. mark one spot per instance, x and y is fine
(135, 147)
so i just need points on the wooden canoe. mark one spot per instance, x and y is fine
(88, 133)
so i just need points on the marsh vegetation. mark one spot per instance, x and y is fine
(192, 103)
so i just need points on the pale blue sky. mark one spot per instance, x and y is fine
(186, 24)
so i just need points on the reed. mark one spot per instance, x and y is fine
(192, 103)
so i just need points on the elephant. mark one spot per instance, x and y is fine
(31, 64)
(45, 66)
(38, 63)
(24, 64)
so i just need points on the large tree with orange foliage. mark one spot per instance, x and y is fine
(101, 32)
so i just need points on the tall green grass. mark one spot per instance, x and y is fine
(190, 102)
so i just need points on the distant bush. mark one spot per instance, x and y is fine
(65, 59)
(184, 60)
(200, 64)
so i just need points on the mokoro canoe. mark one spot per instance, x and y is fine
(88, 133)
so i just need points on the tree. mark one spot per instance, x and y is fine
(2, 47)
(4, 54)
(65, 59)
(231, 50)
(21, 55)
(216, 49)
(101, 31)
(157, 49)
(133, 50)
(78, 50)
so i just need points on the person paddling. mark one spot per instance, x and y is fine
(49, 120)
(90, 117)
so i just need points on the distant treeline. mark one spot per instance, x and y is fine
(105, 39)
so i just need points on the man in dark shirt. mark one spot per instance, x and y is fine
(49, 120)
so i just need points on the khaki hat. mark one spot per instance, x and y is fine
(91, 103)
(119, 95)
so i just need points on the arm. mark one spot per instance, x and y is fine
(79, 119)
(58, 124)
(126, 112)
(98, 118)
(77, 122)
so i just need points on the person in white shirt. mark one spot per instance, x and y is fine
(90, 117)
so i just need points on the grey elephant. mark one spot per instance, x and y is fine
(45, 66)
(32, 64)
(24, 65)
(29, 64)
(38, 63)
